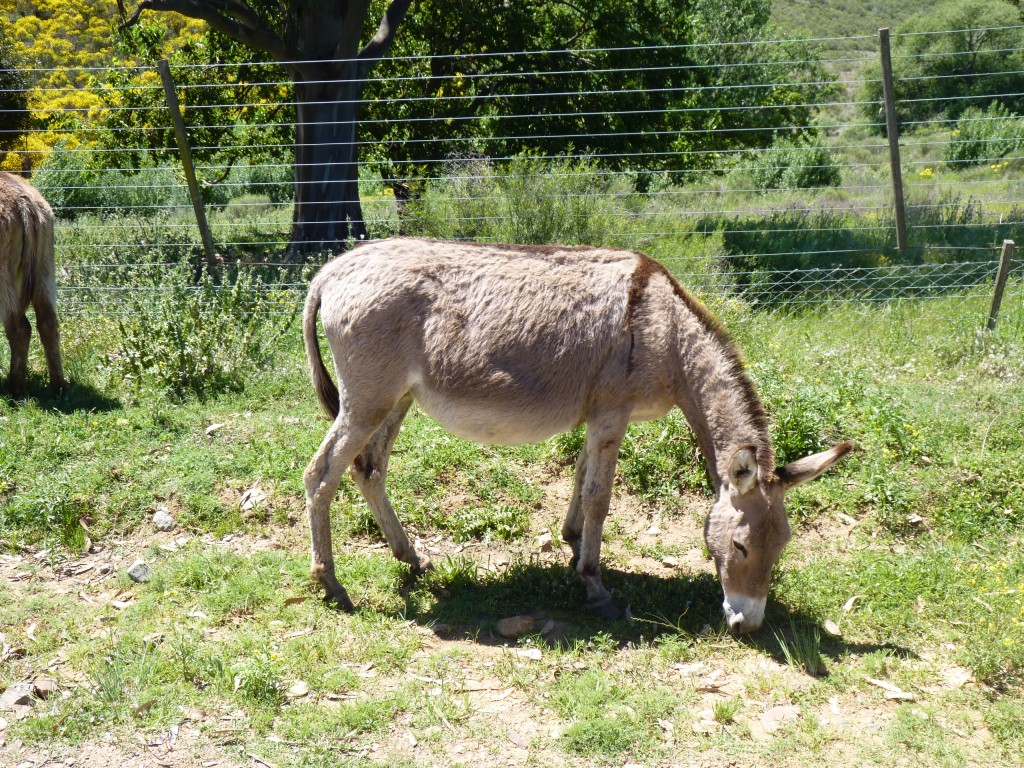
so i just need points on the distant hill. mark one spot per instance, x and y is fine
(844, 18)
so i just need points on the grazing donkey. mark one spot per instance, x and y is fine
(513, 344)
(27, 277)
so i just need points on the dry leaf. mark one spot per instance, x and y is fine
(296, 600)
(891, 691)
(832, 628)
(251, 499)
(533, 654)
(848, 605)
(297, 690)
(213, 428)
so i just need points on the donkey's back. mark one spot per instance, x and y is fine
(499, 344)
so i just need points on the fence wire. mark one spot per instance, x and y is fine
(771, 187)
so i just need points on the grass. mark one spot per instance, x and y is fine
(929, 578)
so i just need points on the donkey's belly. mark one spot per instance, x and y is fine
(497, 421)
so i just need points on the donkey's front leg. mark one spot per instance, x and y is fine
(604, 436)
(572, 528)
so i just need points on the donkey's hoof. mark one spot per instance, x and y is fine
(604, 608)
(421, 566)
(338, 598)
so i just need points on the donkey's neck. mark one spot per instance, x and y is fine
(715, 393)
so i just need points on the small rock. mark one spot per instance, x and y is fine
(776, 717)
(163, 521)
(3, 724)
(544, 542)
(297, 690)
(140, 572)
(515, 626)
(17, 695)
(44, 687)
(653, 531)
(670, 562)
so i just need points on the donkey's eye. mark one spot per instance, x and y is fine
(740, 548)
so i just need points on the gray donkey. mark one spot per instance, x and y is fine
(27, 277)
(512, 344)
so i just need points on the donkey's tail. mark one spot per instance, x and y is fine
(326, 390)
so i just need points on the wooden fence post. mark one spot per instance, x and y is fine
(892, 130)
(186, 160)
(1001, 276)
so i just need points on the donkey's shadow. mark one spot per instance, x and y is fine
(77, 397)
(687, 606)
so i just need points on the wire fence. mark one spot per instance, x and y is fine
(764, 176)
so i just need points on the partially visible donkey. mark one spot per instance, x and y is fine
(512, 344)
(27, 277)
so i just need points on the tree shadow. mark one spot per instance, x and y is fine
(76, 398)
(686, 606)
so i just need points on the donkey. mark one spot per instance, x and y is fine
(27, 276)
(512, 344)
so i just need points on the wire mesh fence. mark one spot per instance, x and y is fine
(760, 174)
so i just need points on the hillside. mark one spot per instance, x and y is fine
(844, 18)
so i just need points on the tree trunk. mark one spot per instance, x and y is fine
(327, 215)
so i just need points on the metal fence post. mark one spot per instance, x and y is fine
(892, 130)
(186, 160)
(1001, 276)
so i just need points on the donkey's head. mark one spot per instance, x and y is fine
(748, 529)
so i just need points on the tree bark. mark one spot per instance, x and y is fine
(327, 212)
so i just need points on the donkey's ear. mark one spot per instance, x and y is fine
(809, 467)
(743, 470)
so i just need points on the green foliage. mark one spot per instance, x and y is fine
(200, 338)
(527, 200)
(802, 162)
(793, 257)
(660, 459)
(612, 717)
(503, 522)
(14, 116)
(947, 57)
(802, 648)
(984, 136)
(624, 102)
(77, 182)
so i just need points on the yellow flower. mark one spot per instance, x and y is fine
(926, 173)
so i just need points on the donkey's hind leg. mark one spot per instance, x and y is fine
(369, 471)
(49, 335)
(19, 334)
(343, 442)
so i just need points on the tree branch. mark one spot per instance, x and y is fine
(229, 17)
(379, 44)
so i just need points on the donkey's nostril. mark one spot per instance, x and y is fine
(736, 623)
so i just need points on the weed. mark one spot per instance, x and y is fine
(725, 710)
(802, 649)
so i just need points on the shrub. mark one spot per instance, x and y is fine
(200, 337)
(796, 163)
(983, 136)
(528, 200)
(75, 182)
